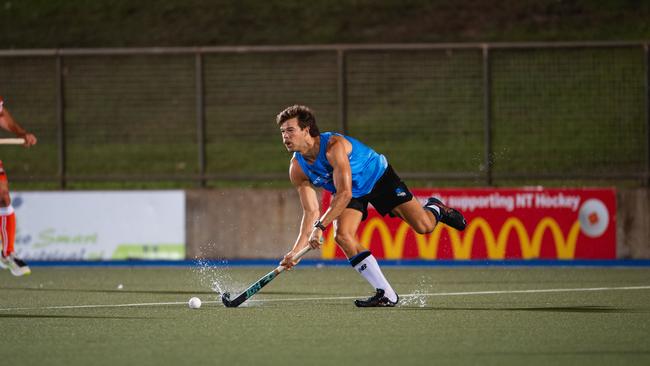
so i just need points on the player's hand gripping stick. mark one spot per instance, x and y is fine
(254, 288)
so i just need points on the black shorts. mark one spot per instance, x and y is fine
(388, 193)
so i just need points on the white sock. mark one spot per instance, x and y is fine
(435, 210)
(6, 211)
(369, 269)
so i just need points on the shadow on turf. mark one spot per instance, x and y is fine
(550, 309)
(69, 316)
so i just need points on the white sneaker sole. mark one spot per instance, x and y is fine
(22, 271)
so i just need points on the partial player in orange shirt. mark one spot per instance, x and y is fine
(7, 217)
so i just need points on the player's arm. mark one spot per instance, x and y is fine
(310, 210)
(337, 155)
(8, 123)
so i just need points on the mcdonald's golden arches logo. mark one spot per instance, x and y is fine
(461, 244)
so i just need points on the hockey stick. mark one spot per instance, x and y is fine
(12, 141)
(254, 288)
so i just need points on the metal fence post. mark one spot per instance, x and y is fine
(200, 117)
(342, 53)
(487, 117)
(60, 112)
(646, 52)
(342, 90)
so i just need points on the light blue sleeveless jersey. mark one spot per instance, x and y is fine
(367, 166)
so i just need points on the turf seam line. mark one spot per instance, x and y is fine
(432, 294)
(469, 293)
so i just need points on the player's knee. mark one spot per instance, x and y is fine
(344, 239)
(424, 226)
(5, 199)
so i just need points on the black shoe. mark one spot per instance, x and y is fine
(377, 300)
(448, 215)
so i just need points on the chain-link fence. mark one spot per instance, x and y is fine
(467, 114)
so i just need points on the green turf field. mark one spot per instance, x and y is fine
(457, 316)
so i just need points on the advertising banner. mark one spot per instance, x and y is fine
(528, 223)
(100, 225)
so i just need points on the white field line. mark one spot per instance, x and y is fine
(432, 294)
(471, 293)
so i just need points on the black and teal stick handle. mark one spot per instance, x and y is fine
(298, 255)
(254, 288)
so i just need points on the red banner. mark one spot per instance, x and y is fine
(533, 223)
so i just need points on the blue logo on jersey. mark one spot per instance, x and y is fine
(399, 192)
(322, 179)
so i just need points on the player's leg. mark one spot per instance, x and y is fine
(391, 195)
(6, 213)
(8, 231)
(423, 219)
(345, 229)
(362, 260)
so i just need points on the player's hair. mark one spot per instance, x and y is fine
(305, 117)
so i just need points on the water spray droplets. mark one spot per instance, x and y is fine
(213, 275)
(418, 295)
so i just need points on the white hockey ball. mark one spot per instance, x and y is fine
(194, 303)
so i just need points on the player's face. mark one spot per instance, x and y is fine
(293, 137)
